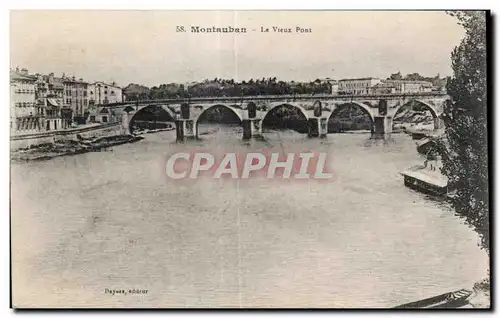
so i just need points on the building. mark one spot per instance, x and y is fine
(50, 95)
(25, 113)
(383, 88)
(101, 93)
(334, 84)
(102, 115)
(335, 87)
(357, 86)
(408, 87)
(76, 97)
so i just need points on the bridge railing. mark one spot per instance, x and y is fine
(276, 98)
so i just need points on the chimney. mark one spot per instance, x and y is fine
(51, 77)
(17, 69)
(73, 78)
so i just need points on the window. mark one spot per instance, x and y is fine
(105, 92)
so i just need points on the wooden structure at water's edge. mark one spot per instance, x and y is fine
(428, 180)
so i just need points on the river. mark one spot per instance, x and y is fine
(110, 220)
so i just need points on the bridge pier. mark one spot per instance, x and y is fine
(185, 129)
(317, 127)
(251, 128)
(125, 125)
(382, 127)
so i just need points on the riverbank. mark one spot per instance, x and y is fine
(481, 291)
(70, 147)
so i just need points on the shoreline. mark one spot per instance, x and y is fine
(70, 148)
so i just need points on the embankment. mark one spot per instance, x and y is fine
(48, 145)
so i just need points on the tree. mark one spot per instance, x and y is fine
(396, 76)
(466, 160)
(414, 77)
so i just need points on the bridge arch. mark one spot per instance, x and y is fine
(163, 107)
(364, 108)
(232, 109)
(430, 107)
(301, 109)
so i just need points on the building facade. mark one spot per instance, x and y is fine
(334, 84)
(76, 97)
(102, 115)
(101, 93)
(335, 87)
(50, 95)
(357, 86)
(408, 87)
(383, 88)
(25, 113)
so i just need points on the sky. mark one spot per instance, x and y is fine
(143, 46)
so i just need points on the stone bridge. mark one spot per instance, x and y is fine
(316, 110)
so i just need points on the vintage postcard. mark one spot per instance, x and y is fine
(249, 159)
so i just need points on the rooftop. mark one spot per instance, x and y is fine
(15, 76)
(73, 80)
(358, 79)
(408, 82)
(107, 84)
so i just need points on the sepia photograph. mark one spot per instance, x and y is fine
(178, 159)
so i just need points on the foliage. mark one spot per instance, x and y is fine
(227, 87)
(414, 77)
(396, 76)
(465, 116)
